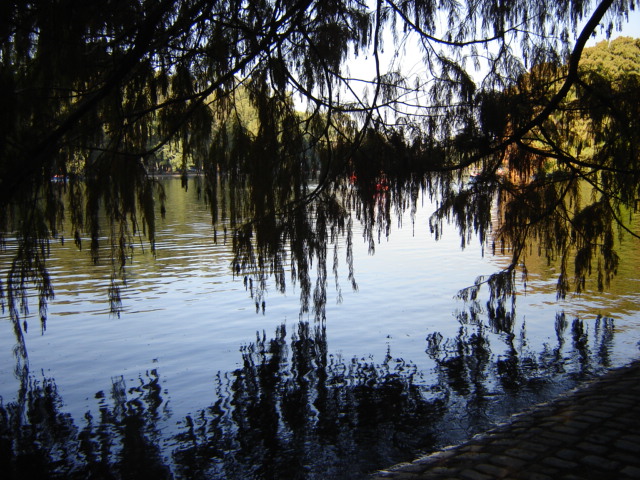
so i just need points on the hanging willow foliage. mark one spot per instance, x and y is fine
(93, 93)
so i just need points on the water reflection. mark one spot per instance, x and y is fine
(293, 409)
(289, 404)
(41, 440)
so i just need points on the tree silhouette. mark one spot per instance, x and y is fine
(92, 93)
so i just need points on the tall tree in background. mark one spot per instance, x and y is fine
(91, 91)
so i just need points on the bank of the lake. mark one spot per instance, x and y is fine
(588, 433)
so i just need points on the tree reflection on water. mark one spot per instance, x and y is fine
(295, 410)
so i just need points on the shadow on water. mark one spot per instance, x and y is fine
(295, 410)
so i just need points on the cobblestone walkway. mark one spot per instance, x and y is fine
(591, 433)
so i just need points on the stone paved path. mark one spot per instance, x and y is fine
(591, 433)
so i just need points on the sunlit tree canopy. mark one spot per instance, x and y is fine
(305, 116)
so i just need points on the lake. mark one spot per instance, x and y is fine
(203, 376)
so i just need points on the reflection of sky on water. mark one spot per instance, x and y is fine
(186, 316)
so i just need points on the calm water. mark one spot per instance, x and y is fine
(193, 380)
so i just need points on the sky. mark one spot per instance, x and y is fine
(411, 64)
(630, 29)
